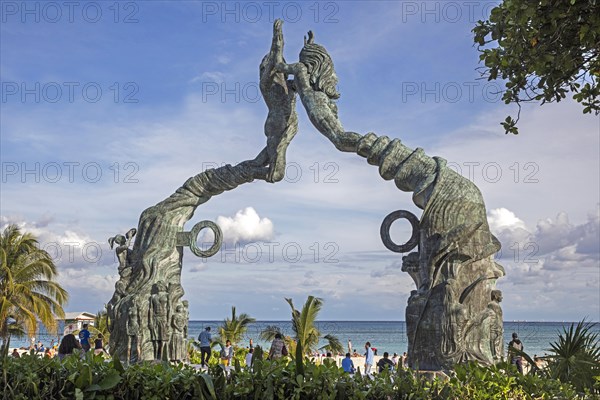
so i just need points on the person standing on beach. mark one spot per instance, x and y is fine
(84, 338)
(249, 357)
(513, 345)
(227, 354)
(40, 347)
(369, 357)
(404, 360)
(395, 359)
(277, 347)
(205, 339)
(349, 346)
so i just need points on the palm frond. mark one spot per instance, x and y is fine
(268, 334)
(333, 344)
(575, 357)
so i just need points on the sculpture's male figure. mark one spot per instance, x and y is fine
(159, 319)
(133, 330)
(496, 328)
(280, 97)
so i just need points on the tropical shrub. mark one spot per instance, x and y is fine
(575, 357)
(503, 381)
(91, 377)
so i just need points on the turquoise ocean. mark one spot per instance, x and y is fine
(391, 336)
(387, 336)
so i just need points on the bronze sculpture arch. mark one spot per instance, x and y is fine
(452, 316)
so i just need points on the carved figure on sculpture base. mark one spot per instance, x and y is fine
(133, 332)
(123, 255)
(159, 319)
(178, 344)
(494, 321)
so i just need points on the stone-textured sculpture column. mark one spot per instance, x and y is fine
(453, 269)
(148, 319)
(154, 289)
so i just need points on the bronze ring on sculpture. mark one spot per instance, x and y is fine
(194, 236)
(385, 231)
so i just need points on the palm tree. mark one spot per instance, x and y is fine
(28, 290)
(576, 356)
(303, 323)
(306, 333)
(235, 327)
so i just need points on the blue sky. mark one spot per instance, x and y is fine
(107, 108)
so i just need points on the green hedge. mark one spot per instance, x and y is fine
(32, 377)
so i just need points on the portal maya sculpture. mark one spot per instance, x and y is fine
(453, 315)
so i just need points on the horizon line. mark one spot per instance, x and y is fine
(375, 320)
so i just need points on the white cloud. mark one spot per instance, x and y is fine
(392, 269)
(501, 218)
(245, 226)
(554, 240)
(66, 244)
(209, 76)
(88, 290)
(546, 260)
(552, 165)
(310, 280)
(92, 283)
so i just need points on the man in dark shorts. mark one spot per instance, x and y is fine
(513, 345)
(205, 339)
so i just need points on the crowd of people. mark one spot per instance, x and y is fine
(69, 344)
(82, 344)
(278, 349)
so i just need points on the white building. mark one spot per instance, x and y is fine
(74, 321)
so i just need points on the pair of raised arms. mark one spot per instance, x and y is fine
(315, 80)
